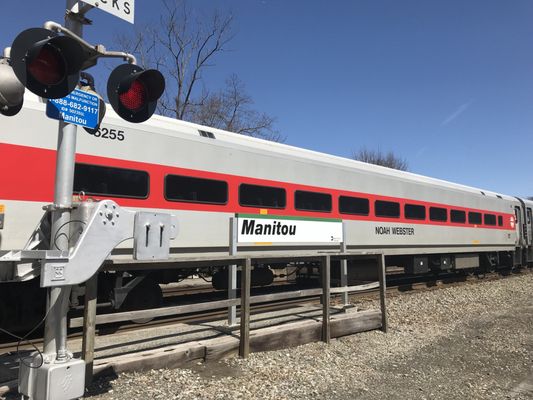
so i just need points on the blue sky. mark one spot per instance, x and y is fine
(448, 84)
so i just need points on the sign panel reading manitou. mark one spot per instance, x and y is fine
(254, 228)
(119, 8)
(78, 107)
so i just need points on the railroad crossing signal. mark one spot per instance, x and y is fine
(11, 90)
(133, 92)
(47, 64)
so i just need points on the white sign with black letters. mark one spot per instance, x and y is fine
(253, 228)
(119, 8)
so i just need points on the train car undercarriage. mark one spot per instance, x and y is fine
(22, 304)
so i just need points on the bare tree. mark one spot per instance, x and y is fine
(183, 48)
(389, 160)
(230, 109)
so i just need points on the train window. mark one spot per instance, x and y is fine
(354, 205)
(312, 201)
(474, 218)
(489, 219)
(438, 214)
(389, 209)
(195, 190)
(458, 216)
(500, 220)
(110, 181)
(413, 211)
(261, 196)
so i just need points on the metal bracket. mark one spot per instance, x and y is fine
(152, 235)
(92, 52)
(77, 13)
(107, 227)
(120, 293)
(99, 227)
(56, 207)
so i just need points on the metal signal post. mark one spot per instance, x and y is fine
(55, 352)
(57, 300)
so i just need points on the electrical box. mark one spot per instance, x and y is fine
(52, 381)
(466, 261)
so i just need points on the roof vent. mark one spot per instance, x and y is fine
(206, 134)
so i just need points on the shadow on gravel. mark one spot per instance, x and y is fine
(100, 385)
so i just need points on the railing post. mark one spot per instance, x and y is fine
(232, 272)
(89, 327)
(344, 268)
(382, 290)
(325, 263)
(244, 340)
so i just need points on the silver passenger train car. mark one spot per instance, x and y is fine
(205, 176)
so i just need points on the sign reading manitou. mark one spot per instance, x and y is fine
(260, 229)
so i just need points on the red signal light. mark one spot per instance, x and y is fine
(46, 63)
(135, 97)
(48, 67)
(133, 92)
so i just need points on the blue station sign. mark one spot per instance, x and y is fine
(78, 107)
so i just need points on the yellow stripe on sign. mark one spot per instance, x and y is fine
(263, 211)
(475, 242)
(263, 243)
(2, 208)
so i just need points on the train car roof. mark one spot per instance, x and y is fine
(167, 126)
(528, 202)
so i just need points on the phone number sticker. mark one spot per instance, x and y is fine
(78, 108)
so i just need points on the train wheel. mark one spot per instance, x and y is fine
(146, 295)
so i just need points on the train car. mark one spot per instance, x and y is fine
(524, 218)
(205, 176)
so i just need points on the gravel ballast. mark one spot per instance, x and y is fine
(473, 341)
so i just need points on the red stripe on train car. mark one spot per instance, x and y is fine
(28, 175)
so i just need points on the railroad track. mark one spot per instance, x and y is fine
(395, 286)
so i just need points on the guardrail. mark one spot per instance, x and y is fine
(324, 259)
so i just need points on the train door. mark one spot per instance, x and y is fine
(529, 237)
(520, 235)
